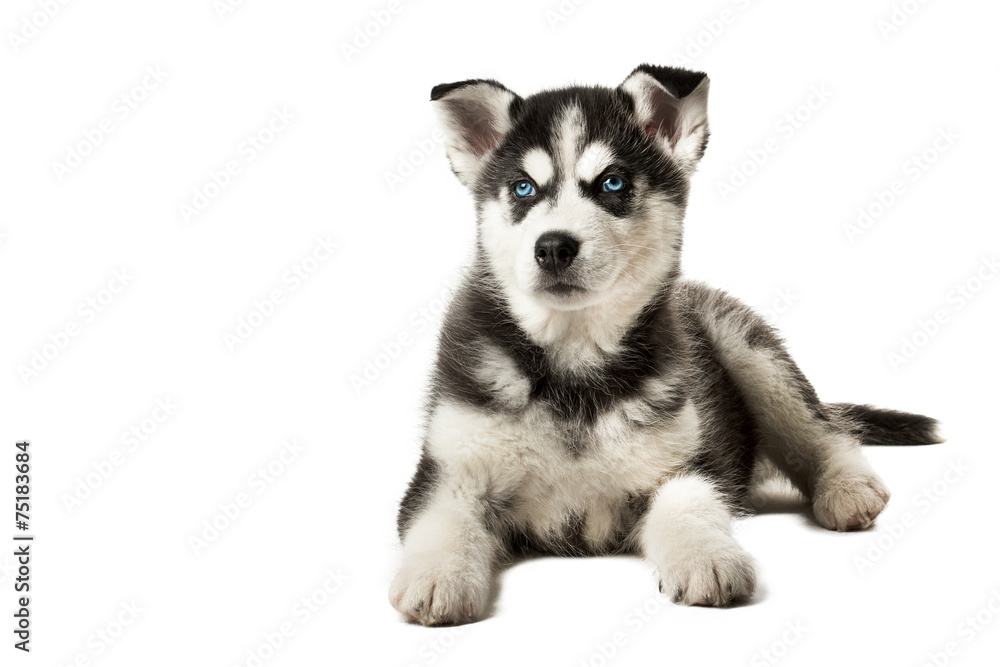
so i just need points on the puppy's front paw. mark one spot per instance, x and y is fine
(440, 592)
(711, 578)
(849, 499)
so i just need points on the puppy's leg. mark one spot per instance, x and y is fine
(686, 533)
(449, 557)
(818, 455)
(802, 438)
(450, 522)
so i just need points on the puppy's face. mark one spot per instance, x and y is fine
(580, 191)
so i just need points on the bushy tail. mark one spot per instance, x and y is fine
(878, 426)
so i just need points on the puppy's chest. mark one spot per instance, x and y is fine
(597, 471)
(563, 481)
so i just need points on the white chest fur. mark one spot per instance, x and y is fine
(523, 460)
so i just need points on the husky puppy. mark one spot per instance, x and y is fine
(587, 399)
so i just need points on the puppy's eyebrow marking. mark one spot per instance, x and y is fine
(595, 159)
(538, 165)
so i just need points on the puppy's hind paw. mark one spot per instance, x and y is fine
(845, 501)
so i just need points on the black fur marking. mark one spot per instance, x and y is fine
(608, 116)
(424, 481)
(619, 204)
(759, 336)
(879, 426)
(440, 90)
(520, 206)
(652, 347)
(573, 534)
(496, 514)
(638, 503)
(728, 432)
(570, 540)
(680, 82)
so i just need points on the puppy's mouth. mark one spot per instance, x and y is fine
(562, 288)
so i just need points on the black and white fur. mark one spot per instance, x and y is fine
(606, 405)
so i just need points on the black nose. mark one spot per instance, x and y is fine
(554, 251)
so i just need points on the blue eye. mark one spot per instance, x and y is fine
(613, 184)
(524, 188)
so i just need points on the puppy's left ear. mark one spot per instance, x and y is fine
(476, 116)
(671, 105)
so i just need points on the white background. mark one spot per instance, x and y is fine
(360, 116)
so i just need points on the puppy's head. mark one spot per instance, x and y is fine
(580, 192)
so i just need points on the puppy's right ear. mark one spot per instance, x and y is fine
(672, 107)
(476, 116)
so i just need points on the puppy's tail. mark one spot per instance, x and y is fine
(878, 426)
